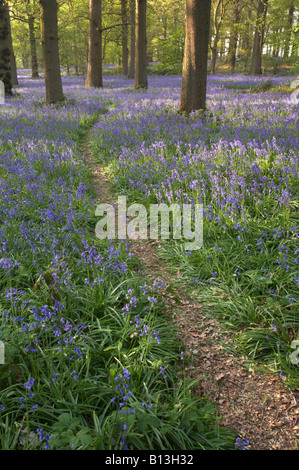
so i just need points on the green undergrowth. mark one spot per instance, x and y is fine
(246, 273)
(91, 360)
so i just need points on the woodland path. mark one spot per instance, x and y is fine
(257, 406)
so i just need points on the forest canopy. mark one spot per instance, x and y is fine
(232, 28)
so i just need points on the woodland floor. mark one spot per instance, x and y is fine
(258, 406)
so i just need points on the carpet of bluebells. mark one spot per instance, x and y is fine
(240, 160)
(90, 360)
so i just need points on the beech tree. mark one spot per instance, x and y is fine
(131, 71)
(94, 68)
(218, 15)
(125, 52)
(289, 28)
(32, 40)
(195, 64)
(26, 14)
(234, 34)
(49, 33)
(5, 49)
(256, 61)
(13, 65)
(141, 48)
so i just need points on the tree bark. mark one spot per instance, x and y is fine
(125, 52)
(34, 63)
(5, 52)
(234, 36)
(131, 73)
(94, 68)
(290, 19)
(13, 65)
(217, 25)
(247, 41)
(195, 64)
(256, 60)
(49, 30)
(141, 46)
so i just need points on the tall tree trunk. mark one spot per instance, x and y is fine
(131, 73)
(217, 25)
(286, 51)
(141, 47)
(276, 45)
(195, 64)
(34, 63)
(49, 30)
(214, 58)
(222, 47)
(247, 38)
(94, 68)
(256, 60)
(13, 65)
(234, 36)
(5, 53)
(125, 53)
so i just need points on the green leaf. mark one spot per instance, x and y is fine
(146, 420)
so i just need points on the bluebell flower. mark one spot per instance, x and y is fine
(240, 443)
(28, 385)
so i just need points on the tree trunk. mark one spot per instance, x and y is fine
(49, 30)
(214, 58)
(34, 63)
(286, 51)
(195, 64)
(256, 60)
(141, 47)
(13, 65)
(276, 46)
(247, 38)
(131, 73)
(125, 52)
(234, 36)
(217, 25)
(5, 52)
(94, 69)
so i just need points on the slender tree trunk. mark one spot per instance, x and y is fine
(94, 69)
(49, 30)
(13, 65)
(247, 38)
(131, 73)
(125, 52)
(222, 47)
(195, 64)
(234, 36)
(5, 51)
(217, 25)
(275, 47)
(256, 61)
(34, 63)
(286, 51)
(214, 59)
(141, 47)
(77, 59)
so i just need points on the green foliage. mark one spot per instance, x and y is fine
(165, 34)
(73, 401)
(171, 50)
(68, 433)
